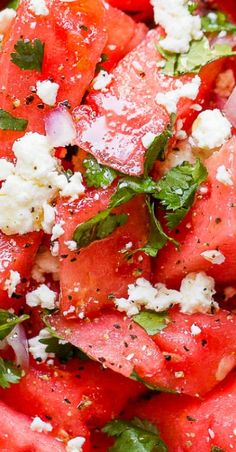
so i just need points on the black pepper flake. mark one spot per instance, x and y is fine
(101, 359)
(117, 326)
(16, 296)
(49, 418)
(167, 357)
(186, 348)
(204, 342)
(83, 27)
(65, 103)
(190, 419)
(67, 401)
(40, 106)
(133, 336)
(126, 345)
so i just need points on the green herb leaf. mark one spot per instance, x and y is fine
(176, 190)
(97, 175)
(192, 6)
(199, 54)
(28, 54)
(8, 321)
(98, 227)
(136, 436)
(64, 352)
(217, 449)
(9, 373)
(13, 4)
(156, 150)
(9, 122)
(136, 377)
(216, 21)
(128, 187)
(152, 322)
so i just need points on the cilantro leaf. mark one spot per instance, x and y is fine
(216, 21)
(136, 377)
(128, 187)
(98, 227)
(8, 321)
(9, 122)
(192, 6)
(200, 53)
(176, 190)
(63, 351)
(156, 150)
(136, 436)
(9, 373)
(152, 322)
(28, 54)
(97, 175)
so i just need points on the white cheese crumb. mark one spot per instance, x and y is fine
(37, 425)
(11, 283)
(6, 17)
(195, 295)
(57, 231)
(73, 187)
(179, 24)
(71, 244)
(213, 256)
(179, 374)
(223, 175)
(45, 263)
(6, 168)
(211, 433)
(210, 130)
(54, 248)
(75, 444)
(47, 91)
(147, 139)
(102, 80)
(42, 296)
(195, 330)
(37, 349)
(38, 7)
(171, 98)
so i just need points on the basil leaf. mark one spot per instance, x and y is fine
(98, 227)
(8, 321)
(156, 150)
(136, 436)
(152, 322)
(128, 187)
(176, 190)
(9, 373)
(63, 351)
(9, 122)
(199, 54)
(13, 4)
(216, 21)
(28, 54)
(97, 175)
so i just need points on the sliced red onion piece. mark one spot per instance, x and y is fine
(60, 128)
(230, 108)
(18, 341)
(229, 39)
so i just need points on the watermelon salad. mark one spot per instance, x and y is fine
(118, 226)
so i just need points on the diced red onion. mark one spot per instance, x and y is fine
(60, 128)
(230, 108)
(18, 341)
(229, 39)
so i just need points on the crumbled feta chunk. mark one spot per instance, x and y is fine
(57, 231)
(42, 296)
(180, 25)
(179, 374)
(6, 168)
(75, 444)
(73, 187)
(197, 290)
(171, 98)
(102, 80)
(210, 130)
(195, 295)
(47, 92)
(37, 349)
(224, 175)
(38, 7)
(213, 256)
(6, 17)
(37, 425)
(195, 330)
(45, 263)
(71, 244)
(11, 283)
(147, 139)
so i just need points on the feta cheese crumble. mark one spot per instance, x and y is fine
(71, 244)
(171, 98)
(12, 282)
(37, 425)
(147, 139)
(42, 296)
(195, 330)
(47, 92)
(75, 444)
(224, 175)
(37, 349)
(195, 295)
(102, 80)
(213, 256)
(6, 168)
(32, 185)
(6, 17)
(45, 263)
(38, 7)
(210, 130)
(180, 25)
